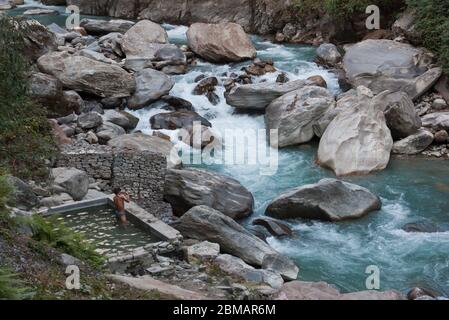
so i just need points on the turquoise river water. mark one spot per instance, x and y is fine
(411, 190)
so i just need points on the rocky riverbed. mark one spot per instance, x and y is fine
(346, 112)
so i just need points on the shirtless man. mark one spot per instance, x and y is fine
(119, 201)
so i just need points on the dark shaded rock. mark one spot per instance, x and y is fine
(329, 200)
(178, 103)
(177, 120)
(205, 85)
(204, 223)
(420, 227)
(185, 189)
(275, 227)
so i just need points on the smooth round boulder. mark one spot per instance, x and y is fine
(223, 42)
(327, 200)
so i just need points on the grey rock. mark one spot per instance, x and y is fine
(204, 250)
(150, 86)
(22, 195)
(436, 120)
(121, 118)
(170, 53)
(142, 40)
(328, 200)
(259, 96)
(187, 188)
(143, 142)
(224, 42)
(204, 223)
(275, 228)
(56, 200)
(95, 56)
(102, 27)
(237, 267)
(89, 120)
(177, 120)
(71, 181)
(84, 74)
(328, 54)
(400, 113)
(414, 143)
(281, 265)
(388, 65)
(358, 140)
(295, 114)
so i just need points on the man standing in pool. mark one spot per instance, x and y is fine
(119, 201)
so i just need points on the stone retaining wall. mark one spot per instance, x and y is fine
(141, 174)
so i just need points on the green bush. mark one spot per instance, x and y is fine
(25, 134)
(433, 23)
(5, 190)
(54, 233)
(11, 288)
(344, 8)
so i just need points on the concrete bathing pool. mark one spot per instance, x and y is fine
(136, 243)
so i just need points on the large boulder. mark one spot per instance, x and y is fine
(344, 101)
(328, 200)
(103, 27)
(139, 142)
(258, 96)
(400, 113)
(300, 290)
(177, 120)
(414, 143)
(295, 113)
(389, 65)
(121, 118)
(205, 223)
(358, 140)
(71, 181)
(91, 76)
(143, 40)
(38, 39)
(436, 120)
(150, 86)
(237, 267)
(224, 42)
(187, 188)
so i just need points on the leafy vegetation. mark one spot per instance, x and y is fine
(343, 8)
(25, 134)
(54, 233)
(5, 190)
(10, 286)
(433, 23)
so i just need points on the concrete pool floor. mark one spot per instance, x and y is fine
(169, 238)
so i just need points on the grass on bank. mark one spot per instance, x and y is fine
(433, 23)
(344, 8)
(26, 140)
